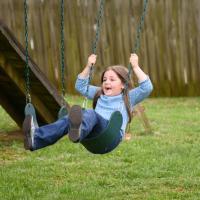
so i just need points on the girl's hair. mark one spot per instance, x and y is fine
(122, 73)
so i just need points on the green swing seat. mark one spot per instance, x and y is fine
(62, 112)
(98, 144)
(30, 110)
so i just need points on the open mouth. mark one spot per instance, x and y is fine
(107, 89)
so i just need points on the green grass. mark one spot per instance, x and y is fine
(164, 165)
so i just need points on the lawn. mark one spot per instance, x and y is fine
(163, 165)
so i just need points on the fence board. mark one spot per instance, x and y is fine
(170, 42)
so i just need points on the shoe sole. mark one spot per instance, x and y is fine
(75, 118)
(27, 132)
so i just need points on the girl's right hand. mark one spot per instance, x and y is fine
(92, 60)
(134, 60)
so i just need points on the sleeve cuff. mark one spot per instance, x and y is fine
(81, 78)
(147, 78)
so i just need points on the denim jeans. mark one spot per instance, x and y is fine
(91, 122)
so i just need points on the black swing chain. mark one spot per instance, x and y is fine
(27, 69)
(137, 41)
(98, 26)
(62, 49)
(136, 45)
(96, 39)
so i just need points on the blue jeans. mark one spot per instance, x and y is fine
(91, 122)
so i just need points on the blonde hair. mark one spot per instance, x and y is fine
(122, 73)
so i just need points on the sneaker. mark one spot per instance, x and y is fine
(75, 119)
(29, 131)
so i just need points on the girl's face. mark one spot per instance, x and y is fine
(112, 84)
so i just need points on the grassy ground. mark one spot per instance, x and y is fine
(158, 166)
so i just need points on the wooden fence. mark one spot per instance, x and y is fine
(170, 43)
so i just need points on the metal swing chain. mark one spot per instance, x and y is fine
(62, 50)
(98, 22)
(94, 44)
(137, 40)
(27, 69)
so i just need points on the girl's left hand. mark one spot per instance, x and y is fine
(134, 60)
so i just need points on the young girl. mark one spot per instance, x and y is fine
(108, 98)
